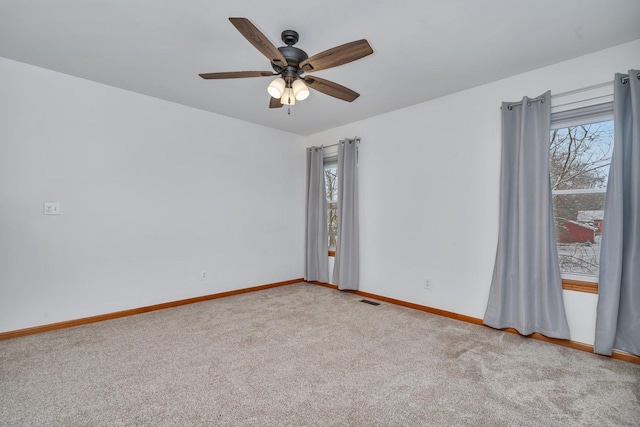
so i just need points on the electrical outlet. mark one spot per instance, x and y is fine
(427, 284)
(204, 275)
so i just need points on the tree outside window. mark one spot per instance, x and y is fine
(579, 167)
(331, 186)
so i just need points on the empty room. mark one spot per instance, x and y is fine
(344, 213)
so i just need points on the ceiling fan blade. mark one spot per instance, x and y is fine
(237, 74)
(274, 103)
(330, 88)
(259, 41)
(338, 55)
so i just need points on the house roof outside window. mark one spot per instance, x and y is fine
(587, 216)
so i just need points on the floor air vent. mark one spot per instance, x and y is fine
(366, 301)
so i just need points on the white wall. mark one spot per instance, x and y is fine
(429, 184)
(152, 193)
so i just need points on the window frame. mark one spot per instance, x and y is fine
(330, 161)
(575, 117)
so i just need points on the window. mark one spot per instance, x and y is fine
(579, 160)
(331, 185)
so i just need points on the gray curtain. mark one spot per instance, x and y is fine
(618, 314)
(346, 270)
(526, 289)
(316, 254)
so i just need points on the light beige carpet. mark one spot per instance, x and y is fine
(305, 355)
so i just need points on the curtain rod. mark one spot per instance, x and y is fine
(357, 139)
(625, 79)
(530, 100)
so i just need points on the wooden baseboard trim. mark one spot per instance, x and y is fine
(133, 311)
(619, 355)
(437, 311)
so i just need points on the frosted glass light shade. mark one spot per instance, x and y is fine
(300, 90)
(276, 87)
(288, 98)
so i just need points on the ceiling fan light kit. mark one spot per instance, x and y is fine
(276, 87)
(300, 90)
(290, 63)
(288, 98)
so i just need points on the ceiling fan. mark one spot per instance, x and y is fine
(290, 64)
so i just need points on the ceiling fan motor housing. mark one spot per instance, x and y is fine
(290, 37)
(293, 55)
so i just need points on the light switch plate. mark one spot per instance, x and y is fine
(52, 208)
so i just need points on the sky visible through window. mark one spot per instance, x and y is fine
(331, 187)
(579, 169)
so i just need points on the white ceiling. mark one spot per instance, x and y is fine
(423, 49)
